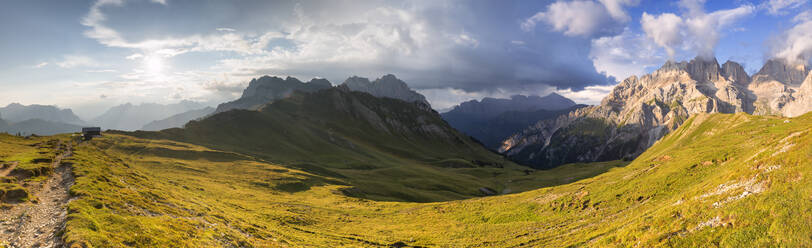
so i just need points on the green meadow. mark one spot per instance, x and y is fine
(718, 181)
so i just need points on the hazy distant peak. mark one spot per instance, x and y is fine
(16, 112)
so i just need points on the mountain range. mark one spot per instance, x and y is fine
(16, 112)
(641, 110)
(493, 120)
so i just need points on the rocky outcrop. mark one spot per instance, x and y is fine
(266, 89)
(386, 86)
(641, 110)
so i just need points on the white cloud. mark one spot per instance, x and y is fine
(779, 7)
(159, 1)
(576, 18)
(40, 65)
(696, 30)
(72, 61)
(101, 71)
(229, 41)
(591, 95)
(135, 56)
(583, 17)
(517, 42)
(466, 40)
(803, 17)
(615, 8)
(226, 30)
(664, 29)
(795, 45)
(624, 55)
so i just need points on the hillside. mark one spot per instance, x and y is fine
(386, 148)
(726, 180)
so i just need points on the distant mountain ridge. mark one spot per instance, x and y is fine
(641, 110)
(178, 120)
(493, 120)
(16, 112)
(133, 117)
(491, 107)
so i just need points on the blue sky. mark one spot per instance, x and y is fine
(90, 55)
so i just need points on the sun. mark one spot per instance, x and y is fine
(154, 65)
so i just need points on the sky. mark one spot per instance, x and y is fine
(93, 54)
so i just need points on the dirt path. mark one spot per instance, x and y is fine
(37, 224)
(5, 169)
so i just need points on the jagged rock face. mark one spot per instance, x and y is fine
(803, 99)
(386, 86)
(266, 89)
(703, 70)
(776, 86)
(735, 73)
(639, 111)
(779, 70)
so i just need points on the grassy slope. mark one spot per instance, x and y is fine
(719, 180)
(334, 133)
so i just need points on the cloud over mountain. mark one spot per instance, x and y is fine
(695, 30)
(583, 18)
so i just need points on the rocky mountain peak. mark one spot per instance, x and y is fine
(268, 88)
(779, 70)
(735, 73)
(703, 69)
(386, 86)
